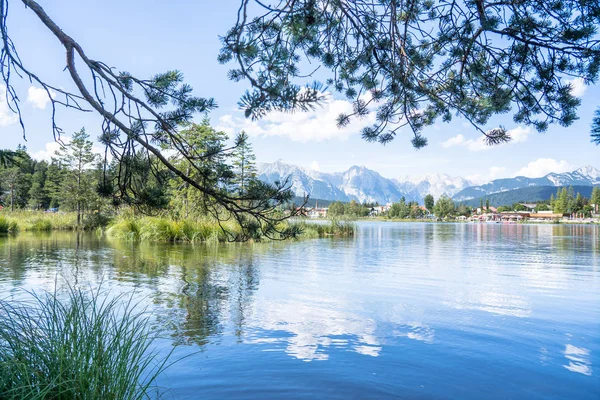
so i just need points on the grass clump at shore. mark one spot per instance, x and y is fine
(318, 230)
(83, 347)
(39, 221)
(8, 225)
(209, 231)
(168, 230)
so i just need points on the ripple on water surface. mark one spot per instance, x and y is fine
(401, 310)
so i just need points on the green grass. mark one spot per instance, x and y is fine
(145, 228)
(84, 347)
(332, 229)
(37, 221)
(168, 230)
(8, 225)
(206, 230)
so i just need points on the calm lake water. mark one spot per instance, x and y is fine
(412, 311)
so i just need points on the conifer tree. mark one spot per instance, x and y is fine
(244, 163)
(38, 194)
(77, 158)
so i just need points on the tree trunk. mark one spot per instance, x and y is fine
(78, 213)
(12, 197)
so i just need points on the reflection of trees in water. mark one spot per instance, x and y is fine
(46, 255)
(199, 289)
(573, 238)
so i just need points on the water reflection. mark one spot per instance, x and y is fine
(398, 299)
(579, 359)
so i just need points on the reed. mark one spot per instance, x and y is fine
(83, 347)
(7, 225)
(209, 231)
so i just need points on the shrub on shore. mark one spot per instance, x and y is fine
(84, 347)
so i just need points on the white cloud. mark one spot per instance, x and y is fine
(543, 166)
(38, 97)
(493, 172)
(7, 117)
(518, 135)
(578, 87)
(50, 149)
(315, 166)
(457, 140)
(317, 125)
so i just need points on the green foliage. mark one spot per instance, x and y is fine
(77, 158)
(243, 163)
(81, 347)
(429, 202)
(211, 167)
(42, 221)
(336, 209)
(334, 228)
(444, 207)
(209, 230)
(39, 198)
(531, 194)
(400, 209)
(420, 60)
(8, 225)
(595, 197)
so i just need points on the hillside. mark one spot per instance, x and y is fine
(530, 194)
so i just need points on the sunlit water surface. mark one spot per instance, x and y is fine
(440, 311)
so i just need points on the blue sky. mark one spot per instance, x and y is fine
(147, 37)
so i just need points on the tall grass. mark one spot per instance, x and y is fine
(83, 347)
(209, 231)
(41, 221)
(168, 230)
(7, 225)
(333, 228)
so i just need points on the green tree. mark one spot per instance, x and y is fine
(429, 202)
(54, 179)
(399, 209)
(595, 199)
(8, 158)
(420, 60)
(243, 163)
(487, 205)
(444, 207)
(15, 184)
(210, 166)
(336, 209)
(38, 193)
(578, 204)
(564, 201)
(141, 119)
(542, 207)
(519, 207)
(78, 158)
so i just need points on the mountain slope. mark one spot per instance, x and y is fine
(365, 185)
(357, 183)
(585, 176)
(526, 195)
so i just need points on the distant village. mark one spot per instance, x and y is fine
(518, 212)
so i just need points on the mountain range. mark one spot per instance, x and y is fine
(365, 185)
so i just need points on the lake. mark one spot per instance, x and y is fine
(402, 310)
